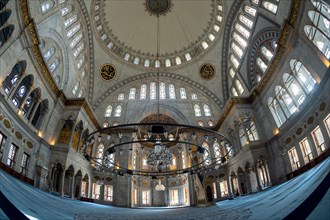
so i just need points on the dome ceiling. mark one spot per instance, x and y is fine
(128, 30)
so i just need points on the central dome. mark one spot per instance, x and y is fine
(128, 30)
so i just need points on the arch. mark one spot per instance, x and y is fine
(22, 90)
(14, 76)
(3, 3)
(40, 114)
(31, 103)
(4, 16)
(6, 33)
(77, 182)
(57, 173)
(68, 179)
(66, 131)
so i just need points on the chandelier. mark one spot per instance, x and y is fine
(157, 142)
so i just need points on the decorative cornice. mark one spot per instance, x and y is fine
(282, 41)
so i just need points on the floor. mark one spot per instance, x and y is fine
(274, 203)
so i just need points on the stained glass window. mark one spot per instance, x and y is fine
(76, 40)
(183, 94)
(162, 91)
(207, 111)
(70, 20)
(197, 110)
(153, 89)
(171, 91)
(118, 111)
(132, 93)
(143, 92)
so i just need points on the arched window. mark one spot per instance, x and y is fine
(105, 124)
(75, 88)
(200, 123)
(246, 21)
(197, 110)
(111, 160)
(4, 16)
(302, 75)
(206, 155)
(153, 90)
(194, 96)
(3, 3)
(167, 62)
(162, 91)
(320, 40)
(178, 60)
(250, 10)
(108, 111)
(238, 51)
(188, 57)
(132, 93)
(171, 92)
(207, 111)
(217, 152)
(22, 91)
(233, 91)
(118, 111)
(294, 88)
(76, 40)
(136, 61)
(47, 5)
(73, 30)
(121, 96)
(40, 114)
(52, 67)
(49, 53)
(252, 132)
(81, 93)
(270, 5)
(78, 50)
(319, 33)
(66, 10)
(146, 63)
(31, 102)
(183, 94)
(276, 111)
(242, 136)
(239, 87)
(285, 101)
(15, 75)
(143, 92)
(5, 34)
(99, 154)
(68, 22)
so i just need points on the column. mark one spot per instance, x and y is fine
(259, 188)
(230, 194)
(61, 187)
(72, 191)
